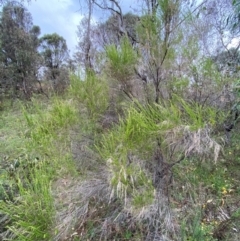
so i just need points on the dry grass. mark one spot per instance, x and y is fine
(72, 199)
(193, 142)
(89, 210)
(160, 219)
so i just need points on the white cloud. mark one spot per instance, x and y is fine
(235, 42)
(57, 16)
(63, 16)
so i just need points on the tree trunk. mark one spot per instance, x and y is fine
(88, 64)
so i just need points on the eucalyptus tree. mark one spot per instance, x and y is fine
(95, 36)
(158, 38)
(177, 39)
(108, 31)
(19, 43)
(119, 24)
(155, 36)
(54, 51)
(86, 49)
(2, 2)
(170, 37)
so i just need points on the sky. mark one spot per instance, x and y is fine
(63, 16)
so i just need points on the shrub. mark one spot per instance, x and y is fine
(92, 93)
(176, 130)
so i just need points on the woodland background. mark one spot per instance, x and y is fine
(133, 137)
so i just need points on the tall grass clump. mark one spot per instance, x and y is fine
(121, 60)
(44, 154)
(44, 124)
(92, 94)
(31, 212)
(175, 131)
(121, 64)
(47, 127)
(143, 152)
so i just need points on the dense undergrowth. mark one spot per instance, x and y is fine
(91, 165)
(34, 150)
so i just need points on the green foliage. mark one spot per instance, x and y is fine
(236, 88)
(159, 42)
(38, 131)
(199, 115)
(147, 28)
(32, 213)
(43, 125)
(144, 122)
(195, 230)
(236, 106)
(178, 85)
(54, 50)
(144, 198)
(121, 61)
(182, 127)
(137, 134)
(92, 93)
(213, 188)
(19, 43)
(206, 77)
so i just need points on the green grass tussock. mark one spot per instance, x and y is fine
(129, 146)
(92, 94)
(44, 124)
(39, 152)
(31, 213)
